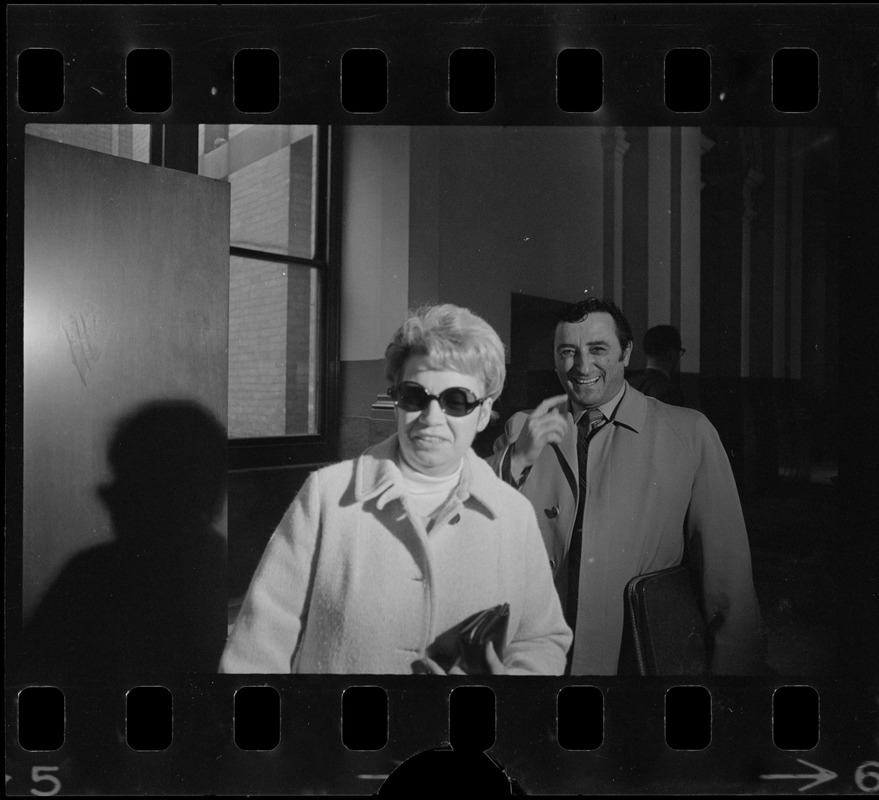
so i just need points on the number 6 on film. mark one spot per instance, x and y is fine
(868, 779)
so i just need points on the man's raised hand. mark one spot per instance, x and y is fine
(545, 425)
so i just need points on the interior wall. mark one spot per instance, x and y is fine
(518, 210)
(375, 269)
(491, 212)
(375, 238)
(557, 213)
(460, 215)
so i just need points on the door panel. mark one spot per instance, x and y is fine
(125, 303)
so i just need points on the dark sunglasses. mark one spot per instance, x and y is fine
(454, 401)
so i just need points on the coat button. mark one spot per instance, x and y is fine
(552, 563)
(552, 513)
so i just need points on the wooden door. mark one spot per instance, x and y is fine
(125, 305)
(531, 377)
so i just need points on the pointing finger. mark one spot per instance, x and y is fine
(551, 422)
(550, 403)
(553, 437)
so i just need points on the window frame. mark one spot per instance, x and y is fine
(176, 147)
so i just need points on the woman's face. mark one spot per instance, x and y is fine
(431, 441)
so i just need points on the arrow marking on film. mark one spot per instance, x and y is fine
(820, 776)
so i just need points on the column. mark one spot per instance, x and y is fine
(693, 146)
(752, 180)
(795, 294)
(658, 226)
(616, 144)
(780, 253)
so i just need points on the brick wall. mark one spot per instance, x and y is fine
(273, 308)
(260, 193)
(257, 347)
(301, 306)
(126, 141)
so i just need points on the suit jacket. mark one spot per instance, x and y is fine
(658, 479)
(351, 582)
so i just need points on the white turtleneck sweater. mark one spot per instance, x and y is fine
(427, 494)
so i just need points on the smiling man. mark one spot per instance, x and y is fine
(624, 485)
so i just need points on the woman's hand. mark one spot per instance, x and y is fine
(494, 663)
(429, 666)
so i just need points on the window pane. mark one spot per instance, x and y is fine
(125, 141)
(273, 348)
(272, 169)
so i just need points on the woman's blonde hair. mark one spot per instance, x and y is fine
(452, 338)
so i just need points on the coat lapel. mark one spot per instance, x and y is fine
(566, 452)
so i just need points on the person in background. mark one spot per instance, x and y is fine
(625, 485)
(380, 557)
(662, 346)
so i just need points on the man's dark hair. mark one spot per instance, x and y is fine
(661, 340)
(576, 312)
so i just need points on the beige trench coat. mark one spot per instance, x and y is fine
(657, 477)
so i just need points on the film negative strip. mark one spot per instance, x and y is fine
(424, 135)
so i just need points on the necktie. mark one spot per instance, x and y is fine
(586, 427)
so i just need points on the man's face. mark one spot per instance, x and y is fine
(589, 360)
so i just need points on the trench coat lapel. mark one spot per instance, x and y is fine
(566, 452)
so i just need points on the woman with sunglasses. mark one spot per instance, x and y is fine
(380, 559)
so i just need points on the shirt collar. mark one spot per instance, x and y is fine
(607, 408)
(376, 475)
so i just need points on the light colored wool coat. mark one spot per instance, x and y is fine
(352, 583)
(658, 479)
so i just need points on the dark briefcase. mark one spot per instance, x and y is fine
(663, 629)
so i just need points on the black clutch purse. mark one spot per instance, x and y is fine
(464, 644)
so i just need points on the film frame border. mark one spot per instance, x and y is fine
(310, 43)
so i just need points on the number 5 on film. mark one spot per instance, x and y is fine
(43, 775)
